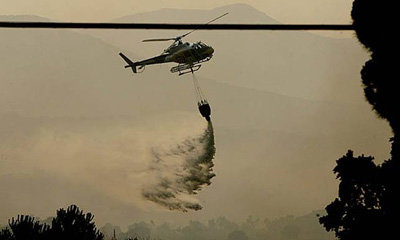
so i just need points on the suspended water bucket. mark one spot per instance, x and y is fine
(205, 109)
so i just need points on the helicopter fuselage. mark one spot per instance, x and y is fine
(182, 53)
(188, 55)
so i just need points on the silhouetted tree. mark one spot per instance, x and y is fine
(357, 212)
(368, 205)
(28, 228)
(5, 234)
(67, 225)
(374, 22)
(74, 224)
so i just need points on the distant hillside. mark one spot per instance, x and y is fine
(253, 228)
(23, 18)
(239, 13)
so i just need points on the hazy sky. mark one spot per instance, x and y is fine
(307, 11)
(76, 127)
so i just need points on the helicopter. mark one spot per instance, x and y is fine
(189, 56)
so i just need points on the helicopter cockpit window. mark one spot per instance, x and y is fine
(202, 44)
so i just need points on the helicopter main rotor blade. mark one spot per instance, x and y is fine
(181, 36)
(158, 39)
(215, 19)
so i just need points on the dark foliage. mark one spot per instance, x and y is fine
(5, 234)
(68, 224)
(74, 224)
(26, 228)
(357, 212)
(368, 203)
(374, 22)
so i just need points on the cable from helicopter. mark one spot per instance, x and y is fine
(202, 103)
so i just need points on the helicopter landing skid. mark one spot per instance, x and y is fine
(185, 68)
(181, 68)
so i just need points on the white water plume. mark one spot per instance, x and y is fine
(182, 172)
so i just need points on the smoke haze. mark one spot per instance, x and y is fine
(78, 128)
(168, 164)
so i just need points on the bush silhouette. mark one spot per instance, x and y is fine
(357, 212)
(5, 234)
(28, 228)
(67, 225)
(74, 224)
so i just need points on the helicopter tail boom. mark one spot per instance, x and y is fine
(129, 62)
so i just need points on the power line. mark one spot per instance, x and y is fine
(166, 26)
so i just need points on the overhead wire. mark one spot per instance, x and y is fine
(177, 26)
